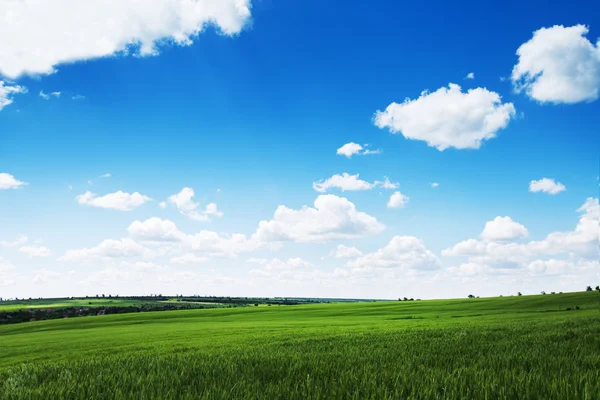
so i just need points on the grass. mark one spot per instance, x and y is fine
(526, 347)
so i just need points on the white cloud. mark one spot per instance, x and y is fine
(47, 96)
(386, 184)
(349, 182)
(343, 182)
(503, 228)
(581, 242)
(164, 232)
(36, 251)
(188, 258)
(331, 218)
(559, 65)
(434, 184)
(470, 75)
(561, 267)
(546, 185)
(19, 241)
(116, 201)
(397, 200)
(7, 92)
(549, 267)
(107, 250)
(350, 149)
(46, 34)
(7, 181)
(370, 152)
(105, 176)
(406, 252)
(342, 251)
(156, 230)
(78, 97)
(185, 204)
(448, 117)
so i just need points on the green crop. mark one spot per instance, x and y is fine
(530, 347)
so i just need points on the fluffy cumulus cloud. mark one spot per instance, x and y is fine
(343, 182)
(397, 200)
(546, 185)
(503, 228)
(448, 117)
(45, 34)
(116, 201)
(7, 181)
(184, 203)
(562, 267)
(161, 232)
(342, 251)
(405, 252)
(331, 218)
(347, 182)
(107, 250)
(35, 251)
(496, 252)
(559, 65)
(350, 149)
(155, 230)
(8, 91)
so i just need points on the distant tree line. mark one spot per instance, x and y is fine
(28, 315)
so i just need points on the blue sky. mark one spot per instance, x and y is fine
(250, 112)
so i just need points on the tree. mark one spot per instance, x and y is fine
(598, 288)
(471, 296)
(588, 289)
(543, 292)
(519, 294)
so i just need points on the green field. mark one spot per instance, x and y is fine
(530, 347)
(45, 303)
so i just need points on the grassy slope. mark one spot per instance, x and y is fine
(526, 347)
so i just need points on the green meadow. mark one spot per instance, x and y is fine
(529, 347)
(63, 303)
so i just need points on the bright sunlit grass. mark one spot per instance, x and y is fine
(528, 347)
